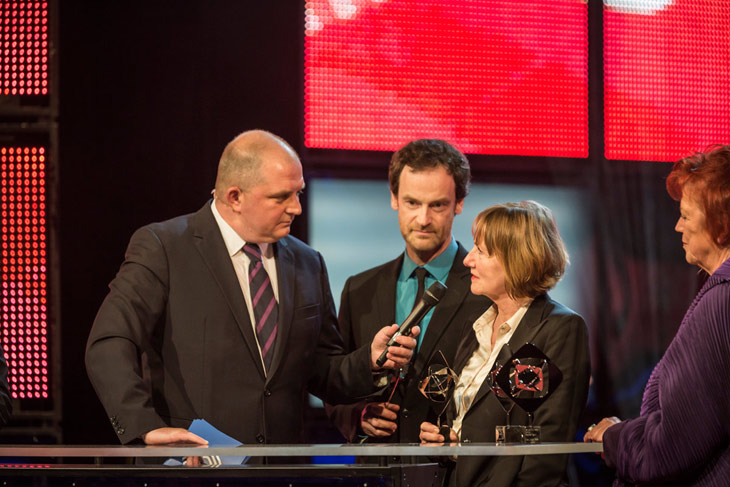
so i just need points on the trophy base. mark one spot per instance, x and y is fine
(529, 435)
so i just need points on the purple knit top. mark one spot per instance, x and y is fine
(682, 436)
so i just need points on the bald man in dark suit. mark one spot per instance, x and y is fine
(182, 336)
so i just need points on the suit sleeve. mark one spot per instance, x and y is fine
(123, 330)
(567, 347)
(687, 425)
(339, 378)
(346, 417)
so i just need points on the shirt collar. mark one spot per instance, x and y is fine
(483, 326)
(234, 242)
(439, 267)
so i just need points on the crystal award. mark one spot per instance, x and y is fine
(438, 387)
(527, 378)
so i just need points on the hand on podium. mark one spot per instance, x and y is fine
(166, 436)
(430, 435)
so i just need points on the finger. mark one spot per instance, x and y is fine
(394, 363)
(390, 330)
(380, 423)
(381, 411)
(184, 436)
(383, 424)
(378, 433)
(431, 437)
(407, 342)
(388, 414)
(588, 437)
(371, 430)
(373, 409)
(193, 461)
(392, 406)
(429, 427)
(399, 353)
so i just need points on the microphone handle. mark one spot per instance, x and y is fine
(405, 329)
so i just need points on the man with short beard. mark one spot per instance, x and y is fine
(429, 180)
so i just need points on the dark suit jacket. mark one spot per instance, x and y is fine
(173, 339)
(561, 334)
(368, 304)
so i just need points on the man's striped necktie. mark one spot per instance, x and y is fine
(265, 308)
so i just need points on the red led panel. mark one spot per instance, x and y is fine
(491, 76)
(23, 48)
(24, 276)
(666, 77)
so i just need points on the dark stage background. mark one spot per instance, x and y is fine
(150, 92)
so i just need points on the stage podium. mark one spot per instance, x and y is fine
(109, 466)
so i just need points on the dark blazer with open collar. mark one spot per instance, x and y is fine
(173, 340)
(368, 304)
(562, 335)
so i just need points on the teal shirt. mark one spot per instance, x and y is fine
(407, 285)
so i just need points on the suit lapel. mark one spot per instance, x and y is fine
(212, 248)
(285, 268)
(531, 322)
(466, 349)
(385, 294)
(458, 284)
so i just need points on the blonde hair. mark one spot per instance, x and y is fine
(525, 239)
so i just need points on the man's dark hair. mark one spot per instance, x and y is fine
(430, 153)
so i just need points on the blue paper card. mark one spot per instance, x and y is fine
(216, 438)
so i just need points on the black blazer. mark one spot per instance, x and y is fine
(173, 340)
(368, 304)
(561, 334)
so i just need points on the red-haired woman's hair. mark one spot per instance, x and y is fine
(707, 177)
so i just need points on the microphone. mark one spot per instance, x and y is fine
(430, 298)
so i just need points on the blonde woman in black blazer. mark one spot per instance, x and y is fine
(517, 257)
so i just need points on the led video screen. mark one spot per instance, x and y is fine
(666, 77)
(24, 48)
(24, 274)
(490, 76)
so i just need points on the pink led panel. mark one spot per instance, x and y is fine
(667, 77)
(23, 48)
(24, 278)
(491, 76)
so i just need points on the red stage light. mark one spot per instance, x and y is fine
(666, 77)
(491, 76)
(21, 279)
(24, 41)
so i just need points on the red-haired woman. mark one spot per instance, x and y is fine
(682, 436)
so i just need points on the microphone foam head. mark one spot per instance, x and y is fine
(434, 293)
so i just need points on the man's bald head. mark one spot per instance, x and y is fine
(241, 161)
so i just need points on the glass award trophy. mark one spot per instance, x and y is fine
(438, 387)
(527, 378)
(504, 356)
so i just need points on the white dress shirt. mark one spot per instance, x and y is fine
(482, 360)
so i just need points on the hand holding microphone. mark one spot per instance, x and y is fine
(430, 298)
